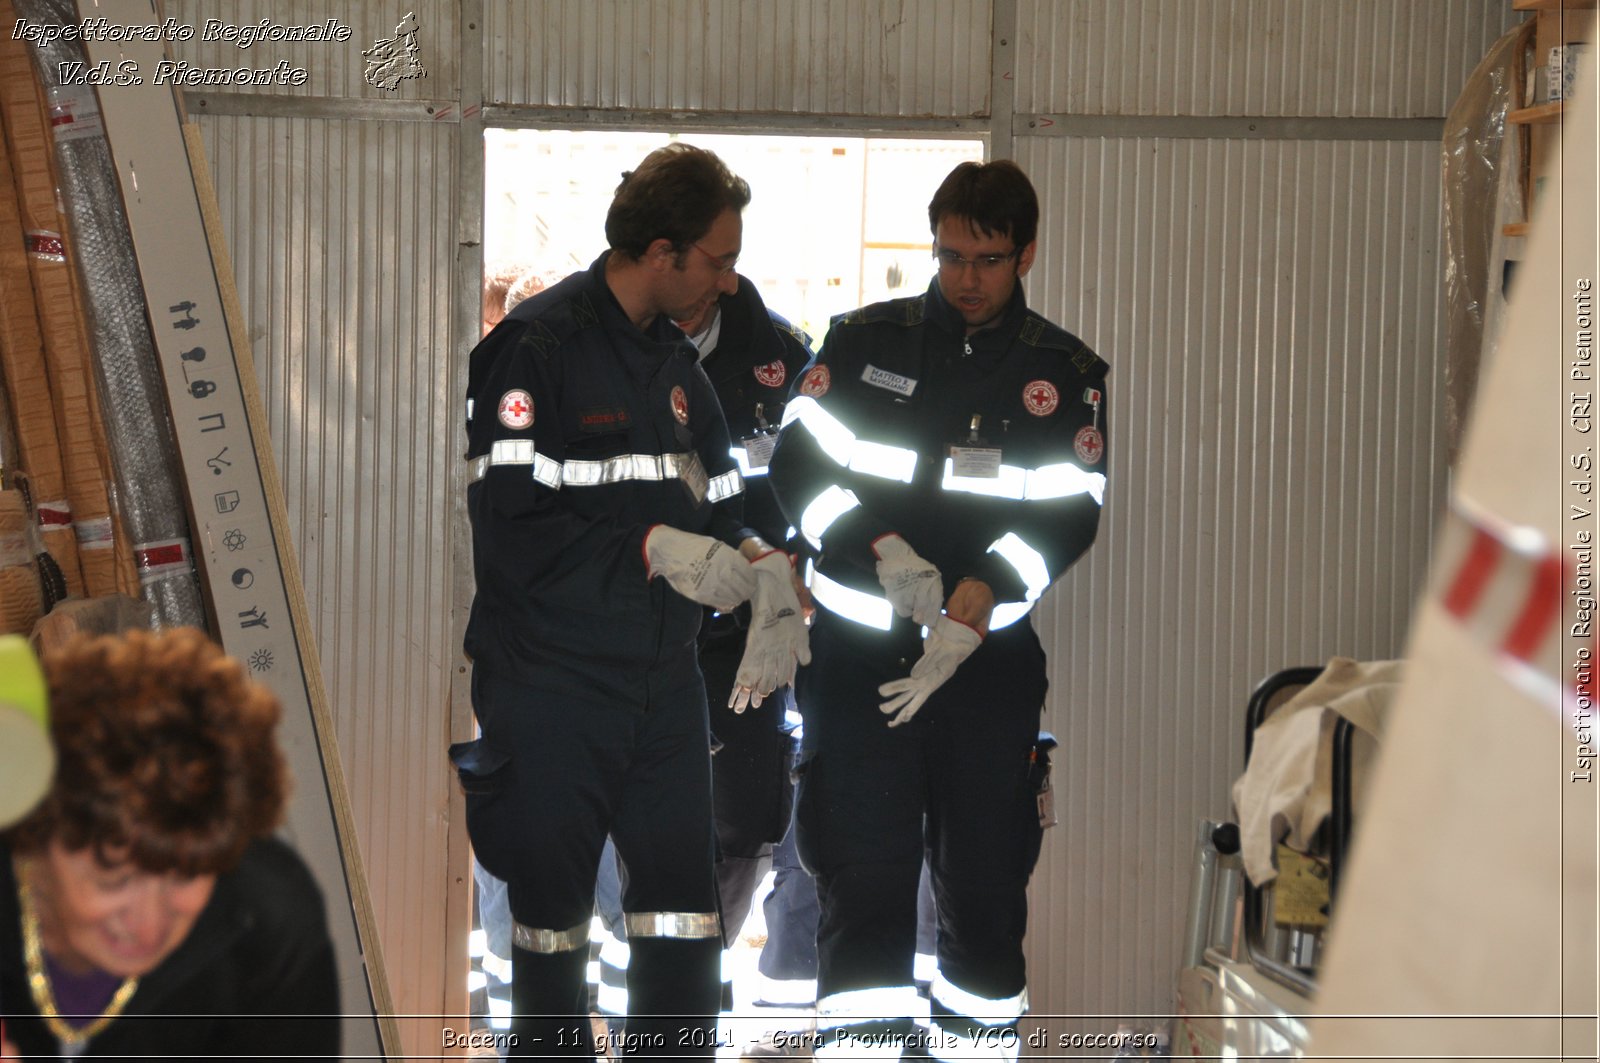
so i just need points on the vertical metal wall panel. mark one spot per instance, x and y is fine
(333, 68)
(1288, 58)
(845, 57)
(1269, 310)
(341, 236)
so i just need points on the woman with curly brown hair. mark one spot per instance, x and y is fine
(145, 908)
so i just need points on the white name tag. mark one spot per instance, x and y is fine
(978, 462)
(693, 475)
(758, 450)
(882, 378)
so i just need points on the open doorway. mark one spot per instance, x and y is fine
(834, 223)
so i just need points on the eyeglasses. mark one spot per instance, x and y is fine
(723, 269)
(951, 262)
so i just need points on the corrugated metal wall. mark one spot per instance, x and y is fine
(341, 235)
(1269, 309)
(848, 57)
(1270, 312)
(1354, 58)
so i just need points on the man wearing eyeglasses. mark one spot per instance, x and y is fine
(945, 458)
(598, 461)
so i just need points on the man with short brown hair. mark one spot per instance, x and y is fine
(599, 460)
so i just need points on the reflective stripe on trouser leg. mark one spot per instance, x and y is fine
(866, 1023)
(786, 992)
(611, 989)
(968, 1026)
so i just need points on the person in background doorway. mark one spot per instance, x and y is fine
(498, 282)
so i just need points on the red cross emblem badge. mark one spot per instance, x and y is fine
(516, 409)
(1089, 445)
(771, 375)
(680, 404)
(1040, 397)
(816, 382)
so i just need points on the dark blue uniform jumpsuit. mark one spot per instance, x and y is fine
(866, 451)
(583, 433)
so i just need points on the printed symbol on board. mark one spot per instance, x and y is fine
(261, 661)
(188, 321)
(218, 462)
(1089, 445)
(816, 382)
(227, 501)
(218, 425)
(252, 617)
(196, 355)
(234, 539)
(516, 409)
(201, 388)
(772, 374)
(1040, 397)
(243, 578)
(680, 404)
(393, 60)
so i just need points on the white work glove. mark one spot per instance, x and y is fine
(777, 638)
(698, 567)
(913, 586)
(947, 645)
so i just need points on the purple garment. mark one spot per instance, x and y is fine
(80, 998)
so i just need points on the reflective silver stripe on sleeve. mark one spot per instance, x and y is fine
(724, 486)
(469, 409)
(534, 939)
(1035, 573)
(869, 609)
(515, 452)
(842, 445)
(672, 924)
(1061, 480)
(649, 467)
(826, 508)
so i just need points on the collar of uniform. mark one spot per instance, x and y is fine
(742, 345)
(990, 344)
(662, 339)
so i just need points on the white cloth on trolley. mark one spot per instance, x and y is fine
(1287, 788)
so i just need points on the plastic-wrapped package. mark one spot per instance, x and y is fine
(22, 363)
(149, 485)
(1482, 190)
(105, 555)
(29, 582)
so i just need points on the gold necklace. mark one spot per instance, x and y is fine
(39, 979)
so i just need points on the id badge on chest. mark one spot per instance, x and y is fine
(758, 449)
(759, 445)
(973, 457)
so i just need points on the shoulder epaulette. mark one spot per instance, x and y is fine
(785, 326)
(906, 312)
(555, 325)
(1037, 332)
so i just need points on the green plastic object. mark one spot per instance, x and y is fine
(27, 757)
